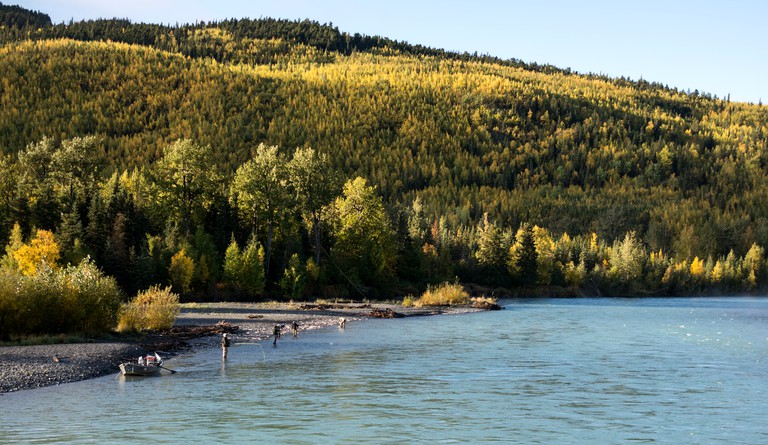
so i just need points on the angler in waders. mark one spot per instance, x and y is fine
(224, 346)
(276, 333)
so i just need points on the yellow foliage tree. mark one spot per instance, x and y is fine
(718, 272)
(41, 250)
(182, 270)
(697, 267)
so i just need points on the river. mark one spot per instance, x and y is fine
(553, 371)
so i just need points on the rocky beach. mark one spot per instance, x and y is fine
(199, 325)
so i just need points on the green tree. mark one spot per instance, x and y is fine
(69, 236)
(9, 193)
(36, 165)
(260, 192)
(492, 252)
(187, 180)
(244, 269)
(364, 240)
(626, 259)
(523, 258)
(294, 278)
(253, 272)
(233, 264)
(492, 246)
(116, 251)
(315, 183)
(204, 253)
(15, 241)
(75, 168)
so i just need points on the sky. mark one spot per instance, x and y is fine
(718, 47)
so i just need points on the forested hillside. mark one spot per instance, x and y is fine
(472, 157)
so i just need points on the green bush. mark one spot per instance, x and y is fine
(73, 299)
(445, 294)
(152, 309)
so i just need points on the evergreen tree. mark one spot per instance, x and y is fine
(523, 257)
(626, 260)
(253, 275)
(233, 265)
(492, 253)
(117, 259)
(69, 236)
(294, 277)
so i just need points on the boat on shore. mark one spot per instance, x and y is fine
(145, 366)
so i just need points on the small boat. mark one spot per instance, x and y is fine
(145, 366)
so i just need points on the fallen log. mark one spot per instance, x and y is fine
(187, 332)
(384, 313)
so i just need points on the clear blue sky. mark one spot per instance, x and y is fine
(719, 47)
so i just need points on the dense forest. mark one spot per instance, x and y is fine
(287, 159)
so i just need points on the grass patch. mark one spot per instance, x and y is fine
(446, 294)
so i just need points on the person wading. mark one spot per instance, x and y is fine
(276, 333)
(224, 345)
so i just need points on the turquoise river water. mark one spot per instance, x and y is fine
(554, 371)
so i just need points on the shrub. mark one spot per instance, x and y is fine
(445, 294)
(94, 297)
(74, 299)
(8, 301)
(152, 309)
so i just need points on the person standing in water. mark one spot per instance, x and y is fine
(276, 333)
(295, 328)
(224, 345)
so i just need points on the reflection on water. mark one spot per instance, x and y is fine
(546, 371)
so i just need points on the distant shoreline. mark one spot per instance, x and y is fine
(31, 367)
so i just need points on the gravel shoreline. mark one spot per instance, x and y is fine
(29, 367)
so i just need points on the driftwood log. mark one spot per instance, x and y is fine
(384, 313)
(332, 306)
(188, 332)
(486, 305)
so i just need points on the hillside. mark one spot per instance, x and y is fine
(467, 135)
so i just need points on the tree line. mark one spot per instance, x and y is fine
(287, 225)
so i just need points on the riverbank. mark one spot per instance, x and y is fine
(197, 326)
